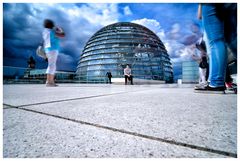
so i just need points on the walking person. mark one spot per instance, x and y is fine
(128, 75)
(109, 75)
(219, 24)
(203, 64)
(51, 35)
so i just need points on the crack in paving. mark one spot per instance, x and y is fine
(225, 153)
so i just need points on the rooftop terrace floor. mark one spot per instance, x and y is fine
(103, 120)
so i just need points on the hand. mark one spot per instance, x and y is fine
(59, 32)
(59, 29)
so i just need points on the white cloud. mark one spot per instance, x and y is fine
(184, 54)
(73, 12)
(175, 28)
(84, 22)
(103, 14)
(65, 58)
(172, 47)
(127, 11)
(177, 51)
(153, 25)
(97, 14)
(174, 33)
(79, 22)
(168, 47)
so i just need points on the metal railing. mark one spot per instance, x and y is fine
(27, 75)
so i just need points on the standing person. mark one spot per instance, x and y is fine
(51, 35)
(203, 64)
(214, 18)
(128, 75)
(31, 63)
(109, 75)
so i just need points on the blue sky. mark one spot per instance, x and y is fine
(175, 23)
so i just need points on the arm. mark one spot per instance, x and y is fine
(199, 15)
(130, 72)
(197, 58)
(124, 72)
(59, 32)
(60, 35)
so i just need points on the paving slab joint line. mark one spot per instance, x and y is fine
(79, 98)
(136, 134)
(8, 106)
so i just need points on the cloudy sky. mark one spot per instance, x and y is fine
(175, 23)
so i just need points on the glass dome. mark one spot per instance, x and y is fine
(116, 45)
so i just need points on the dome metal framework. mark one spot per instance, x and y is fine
(116, 45)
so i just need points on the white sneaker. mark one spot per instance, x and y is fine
(51, 85)
(201, 85)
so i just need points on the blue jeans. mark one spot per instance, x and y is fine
(214, 30)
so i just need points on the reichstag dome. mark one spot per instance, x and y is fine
(116, 45)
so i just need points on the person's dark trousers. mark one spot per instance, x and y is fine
(228, 78)
(109, 78)
(228, 12)
(207, 72)
(129, 78)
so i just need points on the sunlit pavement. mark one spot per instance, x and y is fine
(103, 120)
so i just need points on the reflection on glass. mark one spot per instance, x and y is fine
(116, 45)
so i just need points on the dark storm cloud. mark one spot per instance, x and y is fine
(194, 36)
(59, 16)
(190, 39)
(19, 38)
(23, 26)
(12, 49)
(7, 6)
(17, 21)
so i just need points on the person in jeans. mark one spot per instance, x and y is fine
(51, 35)
(128, 75)
(219, 24)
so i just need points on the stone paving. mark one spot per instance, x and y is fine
(112, 121)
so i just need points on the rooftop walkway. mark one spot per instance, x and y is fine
(103, 120)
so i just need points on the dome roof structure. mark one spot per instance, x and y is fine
(116, 45)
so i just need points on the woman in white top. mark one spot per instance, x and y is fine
(51, 37)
